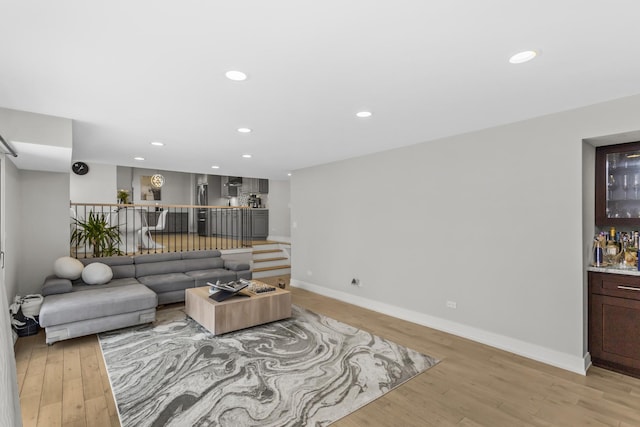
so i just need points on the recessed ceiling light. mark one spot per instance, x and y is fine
(236, 76)
(289, 174)
(363, 114)
(138, 158)
(246, 156)
(215, 167)
(523, 56)
(157, 143)
(244, 130)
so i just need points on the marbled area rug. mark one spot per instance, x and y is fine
(309, 370)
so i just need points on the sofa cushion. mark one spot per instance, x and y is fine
(67, 268)
(94, 303)
(167, 282)
(236, 265)
(201, 277)
(123, 271)
(109, 260)
(56, 285)
(96, 273)
(168, 256)
(121, 266)
(203, 263)
(201, 254)
(156, 268)
(114, 283)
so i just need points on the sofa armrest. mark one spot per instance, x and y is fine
(55, 285)
(235, 265)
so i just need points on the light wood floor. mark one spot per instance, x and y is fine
(474, 385)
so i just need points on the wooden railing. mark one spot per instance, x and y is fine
(137, 229)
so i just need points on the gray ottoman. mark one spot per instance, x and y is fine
(91, 311)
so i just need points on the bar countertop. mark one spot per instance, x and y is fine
(629, 271)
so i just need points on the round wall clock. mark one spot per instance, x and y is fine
(80, 168)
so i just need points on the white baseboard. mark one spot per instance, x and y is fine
(545, 355)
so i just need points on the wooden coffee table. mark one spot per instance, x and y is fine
(237, 312)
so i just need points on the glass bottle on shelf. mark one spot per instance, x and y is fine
(598, 251)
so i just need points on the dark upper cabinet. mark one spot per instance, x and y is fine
(618, 185)
(255, 186)
(263, 186)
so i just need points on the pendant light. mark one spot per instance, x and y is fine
(157, 180)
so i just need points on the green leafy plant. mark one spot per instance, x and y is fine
(97, 233)
(123, 197)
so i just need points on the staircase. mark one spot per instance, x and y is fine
(271, 259)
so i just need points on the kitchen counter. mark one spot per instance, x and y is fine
(629, 271)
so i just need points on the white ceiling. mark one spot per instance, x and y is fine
(132, 72)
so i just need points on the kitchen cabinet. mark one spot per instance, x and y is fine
(618, 185)
(250, 185)
(614, 322)
(251, 224)
(177, 222)
(255, 186)
(263, 186)
(226, 223)
(259, 224)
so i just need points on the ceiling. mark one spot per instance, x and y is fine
(129, 73)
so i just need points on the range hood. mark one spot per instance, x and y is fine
(235, 181)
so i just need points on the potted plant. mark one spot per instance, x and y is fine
(123, 197)
(98, 234)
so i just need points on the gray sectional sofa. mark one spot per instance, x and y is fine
(72, 308)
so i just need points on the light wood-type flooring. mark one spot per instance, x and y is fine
(474, 385)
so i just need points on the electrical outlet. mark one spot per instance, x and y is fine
(452, 304)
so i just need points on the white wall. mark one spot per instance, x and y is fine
(97, 186)
(44, 228)
(177, 188)
(214, 188)
(35, 128)
(43, 142)
(9, 401)
(491, 220)
(12, 223)
(279, 210)
(124, 178)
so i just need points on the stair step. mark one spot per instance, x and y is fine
(266, 251)
(281, 258)
(264, 242)
(275, 267)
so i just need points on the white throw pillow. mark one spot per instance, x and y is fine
(96, 273)
(67, 268)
